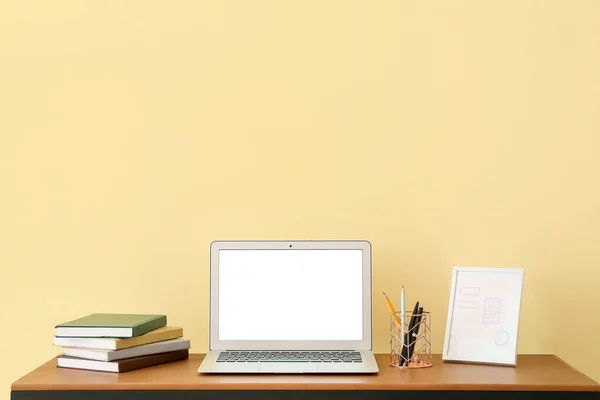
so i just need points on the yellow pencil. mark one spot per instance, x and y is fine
(391, 307)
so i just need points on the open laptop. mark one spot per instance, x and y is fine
(290, 307)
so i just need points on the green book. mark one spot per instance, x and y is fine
(111, 325)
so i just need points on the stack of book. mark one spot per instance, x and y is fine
(119, 342)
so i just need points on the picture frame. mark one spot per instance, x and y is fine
(483, 315)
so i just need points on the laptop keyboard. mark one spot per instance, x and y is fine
(290, 356)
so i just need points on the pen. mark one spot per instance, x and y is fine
(391, 307)
(413, 320)
(415, 333)
(402, 312)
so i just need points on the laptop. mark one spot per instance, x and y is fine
(290, 307)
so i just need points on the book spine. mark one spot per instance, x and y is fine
(149, 326)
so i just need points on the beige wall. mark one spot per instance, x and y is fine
(446, 132)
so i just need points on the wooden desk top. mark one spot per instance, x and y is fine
(533, 373)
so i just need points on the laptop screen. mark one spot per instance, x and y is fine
(290, 294)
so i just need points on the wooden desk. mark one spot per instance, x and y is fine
(535, 377)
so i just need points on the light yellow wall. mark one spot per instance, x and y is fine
(445, 132)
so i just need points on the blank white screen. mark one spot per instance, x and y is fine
(290, 295)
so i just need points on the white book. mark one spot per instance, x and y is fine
(88, 364)
(127, 364)
(138, 351)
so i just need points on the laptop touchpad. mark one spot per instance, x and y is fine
(288, 367)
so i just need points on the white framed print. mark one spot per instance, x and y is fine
(483, 315)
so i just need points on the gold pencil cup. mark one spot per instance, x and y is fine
(415, 350)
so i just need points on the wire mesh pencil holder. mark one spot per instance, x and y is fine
(415, 350)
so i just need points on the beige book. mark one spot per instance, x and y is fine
(157, 335)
